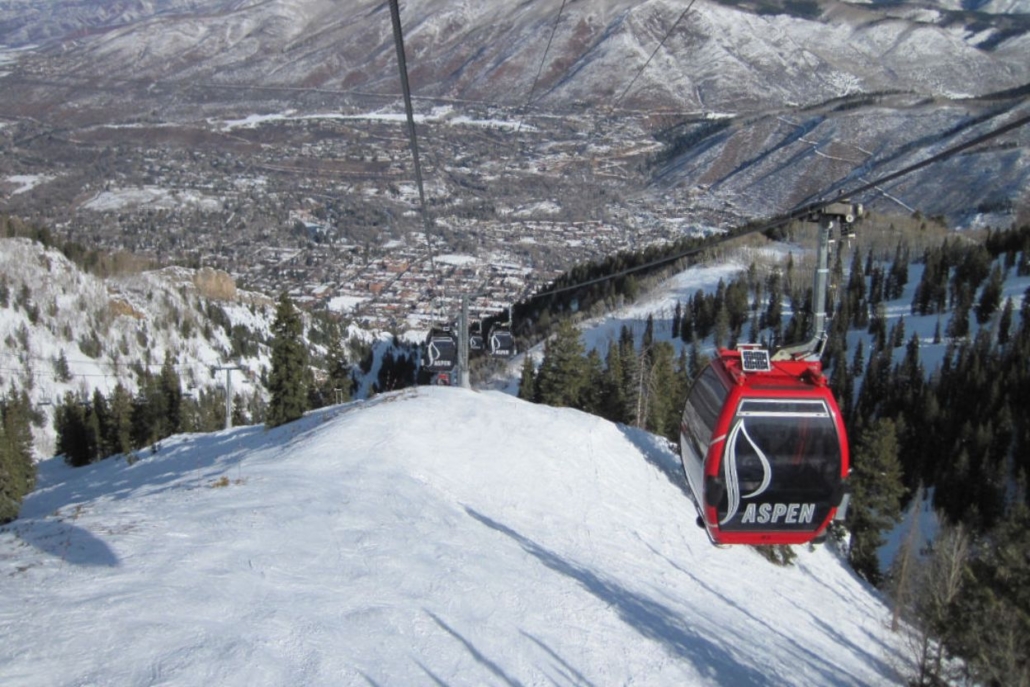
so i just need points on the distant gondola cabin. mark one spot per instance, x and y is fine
(440, 351)
(764, 449)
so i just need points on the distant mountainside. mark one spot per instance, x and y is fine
(759, 104)
(726, 56)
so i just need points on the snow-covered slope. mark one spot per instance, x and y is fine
(107, 329)
(432, 536)
(721, 56)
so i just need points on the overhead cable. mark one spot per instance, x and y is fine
(795, 214)
(543, 60)
(395, 15)
(653, 53)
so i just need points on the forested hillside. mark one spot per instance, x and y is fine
(955, 428)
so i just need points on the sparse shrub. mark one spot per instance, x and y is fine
(90, 345)
(61, 368)
(781, 554)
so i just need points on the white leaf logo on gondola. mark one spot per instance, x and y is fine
(730, 470)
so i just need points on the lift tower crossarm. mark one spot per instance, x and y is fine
(839, 214)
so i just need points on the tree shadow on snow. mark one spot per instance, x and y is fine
(497, 671)
(658, 452)
(649, 618)
(569, 675)
(822, 663)
(182, 461)
(65, 541)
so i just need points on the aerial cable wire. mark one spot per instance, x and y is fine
(543, 60)
(943, 155)
(395, 15)
(796, 213)
(653, 53)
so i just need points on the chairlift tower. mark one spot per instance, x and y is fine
(463, 344)
(228, 390)
(840, 215)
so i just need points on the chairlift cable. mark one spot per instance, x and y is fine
(796, 213)
(653, 53)
(540, 69)
(937, 158)
(395, 15)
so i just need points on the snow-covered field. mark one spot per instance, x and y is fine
(431, 536)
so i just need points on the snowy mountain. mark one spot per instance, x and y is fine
(431, 536)
(758, 105)
(106, 330)
(717, 57)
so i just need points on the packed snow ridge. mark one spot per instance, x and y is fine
(430, 536)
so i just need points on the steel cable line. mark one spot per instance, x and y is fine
(653, 53)
(398, 36)
(797, 213)
(540, 69)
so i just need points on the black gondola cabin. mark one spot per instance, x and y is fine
(764, 449)
(440, 353)
(500, 342)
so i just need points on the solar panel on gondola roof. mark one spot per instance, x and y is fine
(755, 360)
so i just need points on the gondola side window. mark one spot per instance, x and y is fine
(701, 413)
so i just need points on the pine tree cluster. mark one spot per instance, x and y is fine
(17, 469)
(962, 430)
(91, 428)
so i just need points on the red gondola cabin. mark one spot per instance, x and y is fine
(764, 449)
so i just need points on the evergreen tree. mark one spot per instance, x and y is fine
(897, 276)
(772, 318)
(665, 402)
(630, 383)
(648, 339)
(61, 369)
(288, 377)
(101, 421)
(170, 387)
(338, 383)
(149, 412)
(958, 327)
(855, 293)
(74, 439)
(842, 384)
(17, 469)
(721, 327)
(858, 362)
(613, 397)
(1005, 322)
(119, 427)
(876, 495)
(239, 411)
(527, 380)
(563, 373)
(686, 330)
(897, 335)
(592, 396)
(696, 361)
(990, 296)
